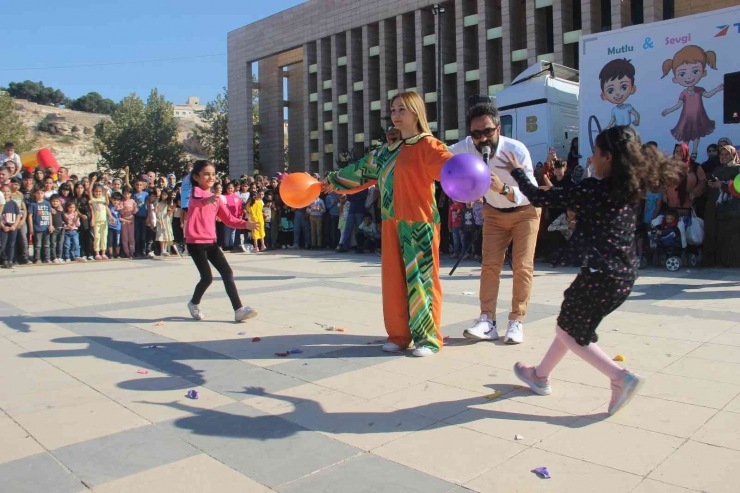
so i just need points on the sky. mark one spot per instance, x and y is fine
(76, 33)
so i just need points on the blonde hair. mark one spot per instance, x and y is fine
(415, 104)
(690, 54)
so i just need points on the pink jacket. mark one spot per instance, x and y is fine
(201, 220)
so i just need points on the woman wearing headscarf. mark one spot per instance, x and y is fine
(702, 173)
(722, 215)
(681, 197)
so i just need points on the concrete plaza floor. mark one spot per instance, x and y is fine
(87, 404)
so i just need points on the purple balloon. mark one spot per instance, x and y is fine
(465, 178)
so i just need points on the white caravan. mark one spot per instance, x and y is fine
(540, 109)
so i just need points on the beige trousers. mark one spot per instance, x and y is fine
(500, 229)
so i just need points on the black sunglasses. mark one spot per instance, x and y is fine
(488, 132)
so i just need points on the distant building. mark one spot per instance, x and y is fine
(190, 110)
(344, 60)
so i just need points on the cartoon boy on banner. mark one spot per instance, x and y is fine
(689, 66)
(617, 85)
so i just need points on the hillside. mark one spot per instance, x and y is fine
(70, 134)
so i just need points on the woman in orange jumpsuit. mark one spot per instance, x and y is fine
(405, 172)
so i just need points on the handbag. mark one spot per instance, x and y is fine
(694, 229)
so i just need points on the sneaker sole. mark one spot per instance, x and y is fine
(630, 394)
(508, 340)
(534, 388)
(470, 335)
(249, 315)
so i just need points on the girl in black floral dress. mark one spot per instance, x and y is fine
(606, 208)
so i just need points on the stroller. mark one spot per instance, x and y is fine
(686, 250)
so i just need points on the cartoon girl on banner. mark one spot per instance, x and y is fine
(689, 66)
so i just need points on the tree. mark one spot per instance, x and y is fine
(141, 136)
(36, 92)
(11, 127)
(214, 135)
(91, 102)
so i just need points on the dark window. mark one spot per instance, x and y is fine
(638, 15)
(669, 9)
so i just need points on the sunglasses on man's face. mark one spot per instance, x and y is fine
(478, 134)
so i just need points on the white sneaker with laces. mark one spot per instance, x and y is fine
(482, 330)
(150, 255)
(515, 333)
(390, 347)
(244, 313)
(422, 352)
(195, 311)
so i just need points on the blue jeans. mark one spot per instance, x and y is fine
(7, 245)
(353, 219)
(300, 228)
(71, 245)
(229, 237)
(456, 240)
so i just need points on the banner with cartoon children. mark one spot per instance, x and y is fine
(665, 79)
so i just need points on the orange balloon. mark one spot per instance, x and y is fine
(28, 160)
(298, 190)
(47, 160)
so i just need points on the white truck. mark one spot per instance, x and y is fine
(675, 81)
(540, 109)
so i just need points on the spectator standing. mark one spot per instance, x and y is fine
(39, 224)
(254, 207)
(71, 236)
(235, 206)
(722, 215)
(355, 216)
(10, 221)
(468, 228)
(128, 210)
(140, 228)
(455, 225)
(56, 234)
(114, 225)
(316, 211)
(164, 210)
(85, 231)
(99, 220)
(11, 155)
(332, 207)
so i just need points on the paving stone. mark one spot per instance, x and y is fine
(38, 473)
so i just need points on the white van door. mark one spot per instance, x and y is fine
(533, 130)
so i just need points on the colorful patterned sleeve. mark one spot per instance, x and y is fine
(364, 173)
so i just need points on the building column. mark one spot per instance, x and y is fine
(506, 23)
(297, 128)
(591, 16)
(531, 32)
(241, 128)
(272, 145)
(561, 9)
(335, 103)
(306, 164)
(419, 48)
(621, 14)
(320, 100)
(351, 64)
(652, 11)
(483, 46)
(366, 85)
(384, 56)
(400, 59)
(462, 104)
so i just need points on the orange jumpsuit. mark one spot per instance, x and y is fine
(412, 294)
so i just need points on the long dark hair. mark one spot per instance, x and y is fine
(197, 168)
(636, 169)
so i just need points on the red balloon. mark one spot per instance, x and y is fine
(298, 190)
(47, 160)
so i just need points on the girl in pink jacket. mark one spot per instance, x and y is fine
(200, 232)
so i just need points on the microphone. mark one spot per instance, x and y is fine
(486, 151)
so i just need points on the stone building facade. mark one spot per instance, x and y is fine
(344, 59)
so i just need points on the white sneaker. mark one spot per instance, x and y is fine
(165, 254)
(91, 258)
(195, 311)
(244, 313)
(422, 352)
(515, 333)
(150, 255)
(482, 329)
(389, 347)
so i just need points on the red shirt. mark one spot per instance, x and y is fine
(455, 216)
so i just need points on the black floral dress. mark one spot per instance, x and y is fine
(605, 243)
